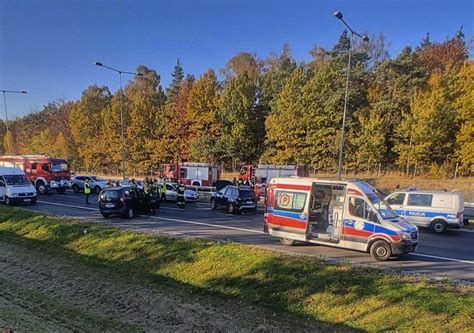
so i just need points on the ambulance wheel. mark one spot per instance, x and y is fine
(75, 188)
(381, 250)
(438, 226)
(213, 204)
(287, 241)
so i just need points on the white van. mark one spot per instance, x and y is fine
(436, 210)
(15, 187)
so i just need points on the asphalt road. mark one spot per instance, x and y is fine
(448, 255)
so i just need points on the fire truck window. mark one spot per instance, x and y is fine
(162, 168)
(183, 173)
(243, 171)
(33, 166)
(44, 167)
(172, 168)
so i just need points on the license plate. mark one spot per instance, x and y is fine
(109, 205)
(27, 200)
(249, 202)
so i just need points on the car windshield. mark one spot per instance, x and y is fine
(16, 180)
(111, 194)
(381, 205)
(59, 167)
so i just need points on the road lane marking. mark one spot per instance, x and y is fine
(64, 205)
(442, 258)
(206, 224)
(241, 229)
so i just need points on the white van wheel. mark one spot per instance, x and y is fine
(287, 241)
(8, 202)
(381, 250)
(438, 226)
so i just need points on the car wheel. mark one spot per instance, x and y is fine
(41, 187)
(97, 189)
(213, 204)
(75, 188)
(231, 208)
(287, 241)
(381, 250)
(130, 213)
(8, 201)
(438, 226)
(105, 215)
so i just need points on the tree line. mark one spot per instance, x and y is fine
(413, 110)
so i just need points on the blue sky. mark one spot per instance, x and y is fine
(48, 47)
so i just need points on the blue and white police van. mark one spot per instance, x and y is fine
(437, 210)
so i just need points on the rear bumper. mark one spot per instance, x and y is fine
(247, 208)
(456, 225)
(403, 247)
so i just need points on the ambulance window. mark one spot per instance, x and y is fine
(290, 201)
(358, 207)
(396, 199)
(421, 200)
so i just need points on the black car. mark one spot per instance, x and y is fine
(127, 201)
(236, 199)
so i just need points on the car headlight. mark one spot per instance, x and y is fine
(406, 236)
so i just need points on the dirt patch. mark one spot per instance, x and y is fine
(41, 292)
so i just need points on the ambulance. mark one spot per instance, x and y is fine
(348, 214)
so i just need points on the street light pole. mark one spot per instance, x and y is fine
(339, 16)
(6, 113)
(122, 137)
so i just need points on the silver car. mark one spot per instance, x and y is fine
(96, 184)
(172, 195)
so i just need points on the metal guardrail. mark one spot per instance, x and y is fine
(205, 192)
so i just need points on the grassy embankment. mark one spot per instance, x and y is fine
(308, 287)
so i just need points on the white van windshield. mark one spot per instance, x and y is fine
(381, 205)
(16, 180)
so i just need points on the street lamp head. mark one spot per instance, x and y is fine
(98, 63)
(338, 15)
(365, 38)
(23, 92)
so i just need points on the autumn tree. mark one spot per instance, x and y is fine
(178, 76)
(243, 63)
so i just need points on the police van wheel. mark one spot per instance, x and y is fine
(287, 241)
(381, 250)
(438, 226)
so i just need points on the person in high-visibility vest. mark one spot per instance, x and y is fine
(87, 190)
(163, 192)
(180, 200)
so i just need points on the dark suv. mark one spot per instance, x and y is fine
(126, 201)
(236, 199)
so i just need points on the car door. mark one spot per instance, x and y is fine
(397, 201)
(2, 188)
(219, 197)
(171, 194)
(359, 223)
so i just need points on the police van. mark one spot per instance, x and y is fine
(338, 213)
(15, 187)
(436, 210)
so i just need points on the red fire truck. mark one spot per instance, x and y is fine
(197, 174)
(44, 172)
(264, 173)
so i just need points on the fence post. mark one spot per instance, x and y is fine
(456, 171)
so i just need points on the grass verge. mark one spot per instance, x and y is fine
(339, 295)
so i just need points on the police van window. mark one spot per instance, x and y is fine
(396, 199)
(358, 207)
(420, 200)
(290, 201)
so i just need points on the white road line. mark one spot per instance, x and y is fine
(64, 205)
(218, 226)
(442, 258)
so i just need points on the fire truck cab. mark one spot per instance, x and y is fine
(44, 172)
(338, 213)
(264, 173)
(196, 174)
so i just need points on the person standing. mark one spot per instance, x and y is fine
(87, 190)
(180, 200)
(163, 192)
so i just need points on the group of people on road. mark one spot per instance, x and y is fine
(153, 186)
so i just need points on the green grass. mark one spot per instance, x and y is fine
(339, 295)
